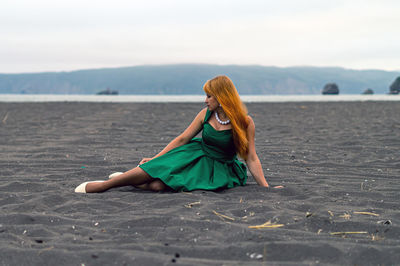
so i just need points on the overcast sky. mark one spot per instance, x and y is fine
(58, 35)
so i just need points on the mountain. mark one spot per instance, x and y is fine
(189, 79)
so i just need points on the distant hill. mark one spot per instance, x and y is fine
(189, 79)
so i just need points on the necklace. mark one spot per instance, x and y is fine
(220, 121)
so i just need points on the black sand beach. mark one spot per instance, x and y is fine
(339, 163)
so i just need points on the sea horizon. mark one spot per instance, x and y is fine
(142, 98)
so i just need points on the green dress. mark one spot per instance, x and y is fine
(207, 163)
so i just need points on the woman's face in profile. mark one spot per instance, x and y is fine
(211, 102)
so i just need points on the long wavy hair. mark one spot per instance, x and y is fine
(223, 89)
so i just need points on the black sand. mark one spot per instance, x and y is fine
(339, 163)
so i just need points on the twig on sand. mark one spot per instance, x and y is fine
(345, 216)
(190, 205)
(349, 233)
(267, 224)
(367, 213)
(223, 216)
(376, 237)
(45, 249)
(5, 118)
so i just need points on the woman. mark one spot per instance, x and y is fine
(209, 163)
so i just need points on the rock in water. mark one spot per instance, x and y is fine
(107, 92)
(395, 87)
(330, 88)
(368, 91)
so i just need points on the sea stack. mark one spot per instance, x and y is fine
(108, 92)
(330, 89)
(368, 92)
(395, 87)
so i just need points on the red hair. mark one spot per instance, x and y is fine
(223, 89)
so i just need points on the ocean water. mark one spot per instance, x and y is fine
(191, 98)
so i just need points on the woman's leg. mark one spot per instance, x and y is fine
(154, 185)
(157, 185)
(133, 177)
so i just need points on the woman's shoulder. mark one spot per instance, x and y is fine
(204, 110)
(249, 119)
(250, 122)
(202, 114)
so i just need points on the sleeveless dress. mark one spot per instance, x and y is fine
(207, 163)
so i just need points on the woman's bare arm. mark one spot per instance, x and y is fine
(191, 131)
(253, 162)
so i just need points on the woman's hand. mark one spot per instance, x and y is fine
(145, 160)
(273, 186)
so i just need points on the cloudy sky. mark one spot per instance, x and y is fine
(63, 35)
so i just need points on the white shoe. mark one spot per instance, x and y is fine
(115, 174)
(82, 187)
